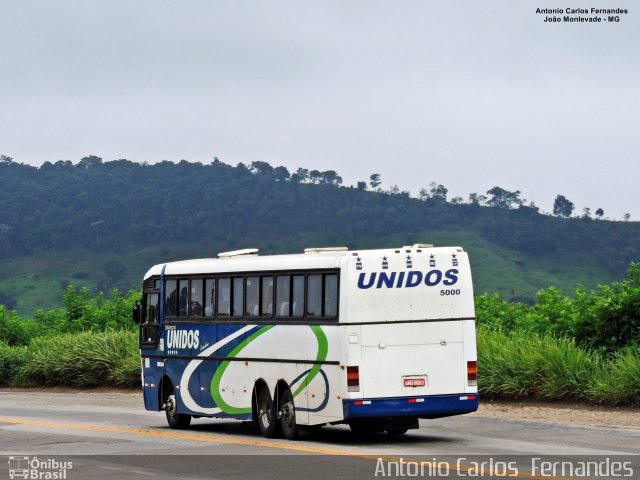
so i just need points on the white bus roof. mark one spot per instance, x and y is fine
(313, 258)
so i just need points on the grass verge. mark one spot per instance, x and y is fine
(512, 366)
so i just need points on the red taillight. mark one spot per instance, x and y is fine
(353, 379)
(472, 372)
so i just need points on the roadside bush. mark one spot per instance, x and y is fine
(11, 360)
(605, 320)
(81, 312)
(83, 360)
(15, 330)
(621, 383)
(521, 365)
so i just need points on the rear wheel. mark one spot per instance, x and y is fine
(266, 413)
(175, 420)
(288, 416)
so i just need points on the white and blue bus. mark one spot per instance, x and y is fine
(373, 338)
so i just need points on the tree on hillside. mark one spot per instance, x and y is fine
(301, 176)
(626, 217)
(586, 213)
(374, 180)
(562, 207)
(281, 174)
(599, 213)
(438, 192)
(261, 168)
(502, 198)
(88, 162)
(330, 177)
(362, 185)
(475, 199)
(5, 159)
(314, 176)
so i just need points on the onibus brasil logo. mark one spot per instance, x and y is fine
(36, 469)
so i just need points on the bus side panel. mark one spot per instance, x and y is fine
(325, 404)
(325, 388)
(151, 376)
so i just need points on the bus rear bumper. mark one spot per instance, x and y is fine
(433, 406)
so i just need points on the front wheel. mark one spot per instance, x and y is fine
(288, 416)
(178, 421)
(266, 413)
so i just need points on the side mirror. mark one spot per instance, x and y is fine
(135, 314)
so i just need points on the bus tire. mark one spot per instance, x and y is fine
(397, 431)
(178, 421)
(266, 413)
(288, 416)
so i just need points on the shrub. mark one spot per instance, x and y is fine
(11, 360)
(83, 360)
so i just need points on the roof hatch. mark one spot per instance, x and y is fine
(239, 253)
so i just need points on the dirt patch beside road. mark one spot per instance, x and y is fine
(562, 413)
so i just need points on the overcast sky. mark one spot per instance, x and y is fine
(467, 94)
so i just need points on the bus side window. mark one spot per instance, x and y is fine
(224, 296)
(183, 302)
(298, 295)
(238, 296)
(283, 294)
(150, 327)
(171, 299)
(151, 315)
(210, 297)
(330, 295)
(266, 308)
(253, 296)
(196, 297)
(314, 295)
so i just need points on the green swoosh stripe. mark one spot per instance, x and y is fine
(215, 381)
(323, 349)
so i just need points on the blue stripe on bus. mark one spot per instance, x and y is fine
(402, 406)
(326, 397)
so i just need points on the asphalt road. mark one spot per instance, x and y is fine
(111, 435)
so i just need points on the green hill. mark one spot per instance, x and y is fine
(102, 224)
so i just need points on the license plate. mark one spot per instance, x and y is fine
(413, 382)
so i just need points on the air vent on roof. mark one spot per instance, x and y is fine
(419, 245)
(238, 253)
(325, 249)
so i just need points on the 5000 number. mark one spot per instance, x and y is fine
(451, 291)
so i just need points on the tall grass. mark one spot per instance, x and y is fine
(621, 382)
(512, 365)
(82, 360)
(521, 364)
